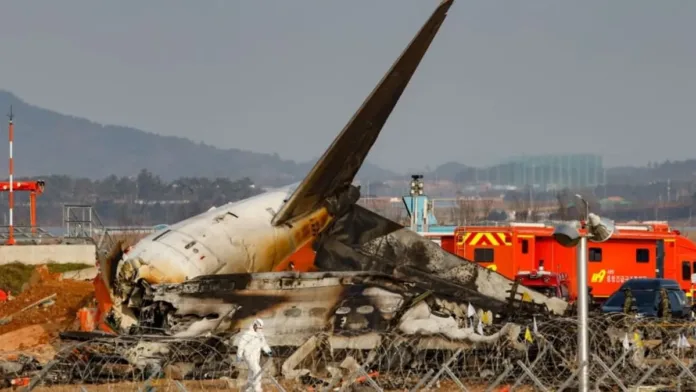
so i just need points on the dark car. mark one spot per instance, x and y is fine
(646, 294)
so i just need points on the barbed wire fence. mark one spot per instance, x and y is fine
(625, 353)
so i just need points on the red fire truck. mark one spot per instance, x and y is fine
(650, 249)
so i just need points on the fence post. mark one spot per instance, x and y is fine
(500, 379)
(180, 386)
(536, 360)
(609, 372)
(685, 369)
(532, 376)
(422, 380)
(34, 381)
(646, 375)
(611, 369)
(570, 379)
(455, 379)
(442, 370)
(354, 374)
(261, 372)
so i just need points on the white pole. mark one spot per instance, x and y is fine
(583, 340)
(425, 215)
(415, 212)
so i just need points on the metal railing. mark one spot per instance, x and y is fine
(82, 224)
(27, 235)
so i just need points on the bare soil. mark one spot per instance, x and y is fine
(70, 297)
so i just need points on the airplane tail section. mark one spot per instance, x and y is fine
(336, 169)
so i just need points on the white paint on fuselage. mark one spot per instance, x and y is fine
(214, 242)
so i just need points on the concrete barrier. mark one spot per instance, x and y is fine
(44, 254)
(83, 274)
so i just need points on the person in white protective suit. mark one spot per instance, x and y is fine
(249, 347)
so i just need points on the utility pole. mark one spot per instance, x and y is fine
(597, 229)
(10, 199)
(583, 340)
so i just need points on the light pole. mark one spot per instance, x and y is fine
(567, 234)
(416, 190)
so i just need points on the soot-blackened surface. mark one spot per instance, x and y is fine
(443, 287)
(418, 253)
(335, 249)
(361, 225)
(211, 283)
(359, 318)
(254, 304)
(230, 289)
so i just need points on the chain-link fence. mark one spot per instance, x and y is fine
(626, 353)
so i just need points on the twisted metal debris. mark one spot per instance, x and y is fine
(626, 351)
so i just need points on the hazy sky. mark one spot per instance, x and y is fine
(501, 78)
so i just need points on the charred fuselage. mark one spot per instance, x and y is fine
(296, 306)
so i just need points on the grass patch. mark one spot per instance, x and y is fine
(14, 275)
(60, 268)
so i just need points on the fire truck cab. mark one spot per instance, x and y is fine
(548, 283)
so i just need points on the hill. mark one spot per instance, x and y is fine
(680, 171)
(50, 143)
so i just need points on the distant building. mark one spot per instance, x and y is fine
(549, 171)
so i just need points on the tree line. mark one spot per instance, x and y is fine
(146, 199)
(141, 200)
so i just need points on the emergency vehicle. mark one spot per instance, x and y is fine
(548, 283)
(647, 250)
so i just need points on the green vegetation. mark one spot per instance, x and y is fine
(60, 268)
(13, 276)
(144, 200)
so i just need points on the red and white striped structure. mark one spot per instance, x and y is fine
(10, 239)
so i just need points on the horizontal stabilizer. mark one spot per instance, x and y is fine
(336, 169)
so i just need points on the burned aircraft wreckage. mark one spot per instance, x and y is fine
(407, 311)
(398, 281)
(212, 271)
(371, 288)
(211, 274)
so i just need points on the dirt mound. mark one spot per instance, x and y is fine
(70, 297)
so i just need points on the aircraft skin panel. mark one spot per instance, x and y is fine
(234, 238)
(336, 169)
